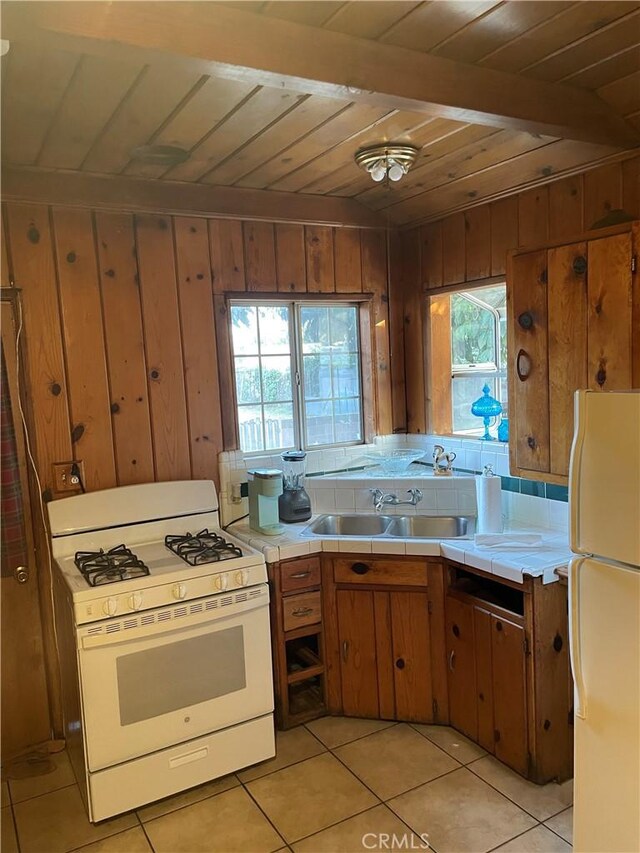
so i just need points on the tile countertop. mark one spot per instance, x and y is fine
(540, 560)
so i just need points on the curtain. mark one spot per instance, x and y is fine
(14, 546)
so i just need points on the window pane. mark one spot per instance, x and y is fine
(274, 329)
(319, 418)
(346, 375)
(276, 379)
(465, 390)
(250, 428)
(278, 426)
(314, 329)
(244, 329)
(472, 333)
(247, 380)
(347, 419)
(317, 376)
(344, 333)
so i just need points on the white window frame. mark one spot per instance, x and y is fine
(297, 371)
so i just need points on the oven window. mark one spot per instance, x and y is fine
(180, 675)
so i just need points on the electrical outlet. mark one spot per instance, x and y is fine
(66, 478)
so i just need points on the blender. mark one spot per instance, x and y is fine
(294, 503)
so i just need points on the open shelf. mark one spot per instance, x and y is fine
(488, 591)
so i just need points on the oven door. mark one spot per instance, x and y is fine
(160, 677)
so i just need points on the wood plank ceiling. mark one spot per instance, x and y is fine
(86, 112)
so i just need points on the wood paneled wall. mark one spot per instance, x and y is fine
(125, 369)
(472, 246)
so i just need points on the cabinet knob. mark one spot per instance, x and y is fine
(557, 643)
(525, 320)
(400, 663)
(360, 568)
(579, 265)
(531, 442)
(601, 376)
(456, 631)
(498, 626)
(21, 574)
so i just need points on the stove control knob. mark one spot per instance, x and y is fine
(221, 582)
(109, 606)
(179, 590)
(135, 601)
(241, 577)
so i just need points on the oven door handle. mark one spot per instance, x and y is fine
(181, 625)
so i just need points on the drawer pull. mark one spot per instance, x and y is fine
(400, 663)
(345, 651)
(301, 574)
(302, 611)
(523, 365)
(452, 660)
(360, 568)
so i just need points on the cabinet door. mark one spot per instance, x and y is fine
(357, 636)
(411, 656)
(528, 357)
(462, 671)
(484, 677)
(509, 693)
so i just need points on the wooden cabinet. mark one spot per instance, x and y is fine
(571, 325)
(514, 704)
(385, 637)
(298, 641)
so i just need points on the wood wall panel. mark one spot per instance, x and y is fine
(374, 280)
(82, 326)
(414, 362)
(199, 347)
(396, 332)
(478, 242)
(5, 275)
(453, 249)
(431, 252)
(602, 193)
(320, 263)
(348, 262)
(163, 347)
(259, 256)
(566, 207)
(291, 269)
(227, 255)
(118, 272)
(533, 216)
(504, 232)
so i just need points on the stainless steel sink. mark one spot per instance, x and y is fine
(350, 525)
(395, 526)
(432, 526)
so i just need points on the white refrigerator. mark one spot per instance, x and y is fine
(604, 603)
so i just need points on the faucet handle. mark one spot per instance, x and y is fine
(416, 495)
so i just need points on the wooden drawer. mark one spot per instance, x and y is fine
(301, 610)
(300, 574)
(380, 571)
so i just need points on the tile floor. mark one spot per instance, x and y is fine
(336, 785)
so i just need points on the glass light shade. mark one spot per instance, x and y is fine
(378, 172)
(395, 171)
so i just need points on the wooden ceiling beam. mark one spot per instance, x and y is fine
(78, 189)
(227, 42)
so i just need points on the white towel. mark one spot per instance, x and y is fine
(507, 540)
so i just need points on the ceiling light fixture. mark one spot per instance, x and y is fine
(387, 160)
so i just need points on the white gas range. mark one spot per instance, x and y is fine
(163, 630)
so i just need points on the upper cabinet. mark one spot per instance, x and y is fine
(573, 322)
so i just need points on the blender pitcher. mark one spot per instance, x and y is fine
(294, 503)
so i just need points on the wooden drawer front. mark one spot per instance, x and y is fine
(301, 610)
(392, 572)
(300, 574)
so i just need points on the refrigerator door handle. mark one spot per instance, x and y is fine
(575, 463)
(575, 651)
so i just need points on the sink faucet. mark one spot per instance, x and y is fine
(380, 499)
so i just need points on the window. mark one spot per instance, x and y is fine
(297, 374)
(470, 342)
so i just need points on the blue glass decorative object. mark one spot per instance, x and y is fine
(486, 407)
(503, 429)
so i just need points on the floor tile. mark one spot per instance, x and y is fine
(33, 786)
(541, 801)
(291, 747)
(458, 746)
(394, 760)
(6, 799)
(58, 822)
(361, 832)
(8, 840)
(459, 812)
(307, 797)
(335, 731)
(132, 841)
(230, 821)
(187, 798)
(536, 840)
(562, 824)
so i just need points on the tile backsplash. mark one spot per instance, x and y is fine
(339, 479)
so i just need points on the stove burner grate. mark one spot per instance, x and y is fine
(103, 567)
(203, 547)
